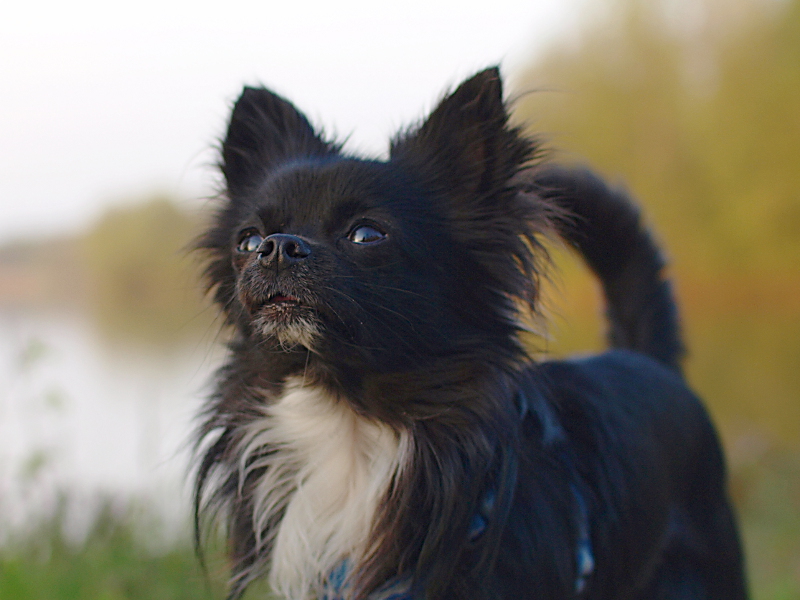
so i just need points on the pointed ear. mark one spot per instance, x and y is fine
(467, 140)
(264, 131)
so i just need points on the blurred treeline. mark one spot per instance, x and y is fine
(698, 112)
(133, 271)
(694, 107)
(142, 274)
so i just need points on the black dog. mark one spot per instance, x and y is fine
(380, 431)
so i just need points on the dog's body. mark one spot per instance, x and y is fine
(379, 431)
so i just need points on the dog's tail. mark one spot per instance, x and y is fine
(606, 228)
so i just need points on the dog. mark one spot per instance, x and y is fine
(380, 431)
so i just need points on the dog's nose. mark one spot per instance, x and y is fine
(282, 250)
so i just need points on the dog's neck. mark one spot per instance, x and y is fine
(326, 450)
(397, 396)
(325, 470)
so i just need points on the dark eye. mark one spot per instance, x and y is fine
(366, 234)
(250, 242)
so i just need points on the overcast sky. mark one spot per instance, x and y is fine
(104, 102)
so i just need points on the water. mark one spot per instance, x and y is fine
(84, 417)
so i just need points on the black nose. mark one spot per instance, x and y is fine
(282, 250)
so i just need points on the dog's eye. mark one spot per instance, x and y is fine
(250, 242)
(366, 234)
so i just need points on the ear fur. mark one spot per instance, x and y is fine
(468, 139)
(468, 155)
(264, 130)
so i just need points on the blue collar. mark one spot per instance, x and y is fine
(553, 433)
(395, 589)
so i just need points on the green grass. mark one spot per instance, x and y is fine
(116, 560)
(120, 557)
(767, 494)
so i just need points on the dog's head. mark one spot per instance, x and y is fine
(377, 266)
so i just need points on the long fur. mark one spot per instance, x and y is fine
(606, 228)
(331, 469)
(377, 402)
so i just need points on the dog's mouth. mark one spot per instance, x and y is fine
(287, 318)
(282, 307)
(282, 300)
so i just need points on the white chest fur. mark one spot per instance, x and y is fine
(327, 469)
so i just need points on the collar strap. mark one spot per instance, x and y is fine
(553, 433)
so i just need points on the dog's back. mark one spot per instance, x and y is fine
(628, 446)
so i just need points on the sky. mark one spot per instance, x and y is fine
(112, 102)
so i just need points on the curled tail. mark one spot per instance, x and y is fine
(606, 228)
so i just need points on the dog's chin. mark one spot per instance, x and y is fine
(290, 324)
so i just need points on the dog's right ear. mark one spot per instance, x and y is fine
(264, 131)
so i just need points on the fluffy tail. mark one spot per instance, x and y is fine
(606, 228)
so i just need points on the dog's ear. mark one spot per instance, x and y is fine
(265, 130)
(467, 140)
(467, 156)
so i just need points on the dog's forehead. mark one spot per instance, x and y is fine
(320, 191)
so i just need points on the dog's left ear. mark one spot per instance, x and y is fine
(466, 140)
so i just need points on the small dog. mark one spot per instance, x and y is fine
(379, 430)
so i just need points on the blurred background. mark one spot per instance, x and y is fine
(109, 121)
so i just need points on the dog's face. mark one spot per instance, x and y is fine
(375, 266)
(338, 256)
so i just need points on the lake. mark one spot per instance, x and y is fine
(90, 418)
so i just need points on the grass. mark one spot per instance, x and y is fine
(120, 557)
(116, 560)
(766, 491)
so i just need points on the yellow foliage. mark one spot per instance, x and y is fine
(141, 277)
(702, 122)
